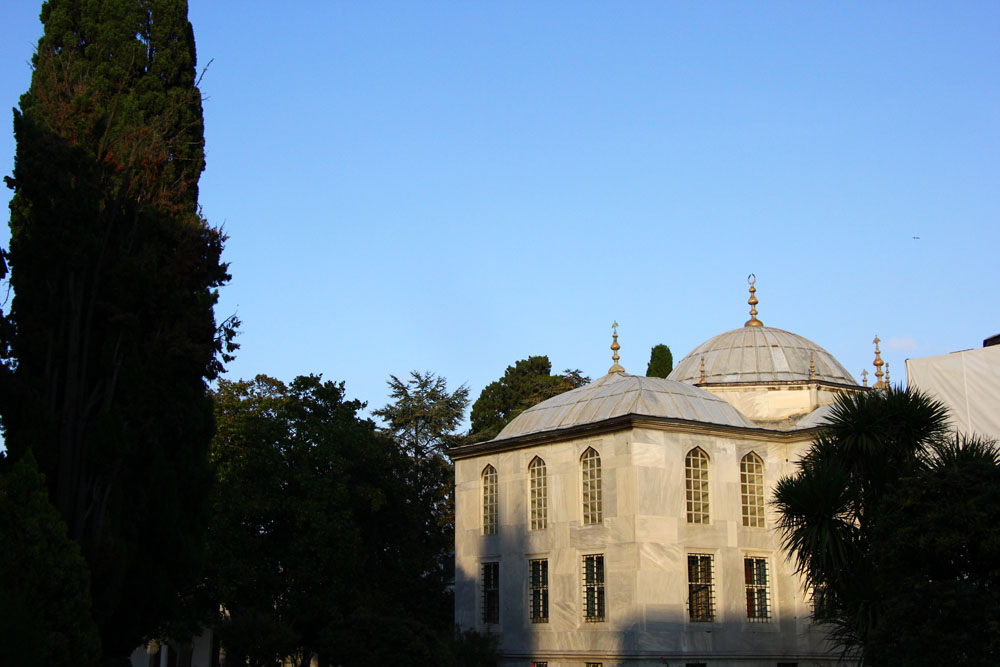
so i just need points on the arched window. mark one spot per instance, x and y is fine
(696, 485)
(490, 501)
(538, 494)
(590, 464)
(752, 490)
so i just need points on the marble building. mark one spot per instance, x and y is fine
(626, 522)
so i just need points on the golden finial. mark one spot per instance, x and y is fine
(812, 367)
(753, 321)
(702, 371)
(878, 363)
(616, 367)
(864, 377)
(887, 374)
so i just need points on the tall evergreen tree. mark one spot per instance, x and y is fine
(114, 274)
(423, 416)
(661, 362)
(528, 382)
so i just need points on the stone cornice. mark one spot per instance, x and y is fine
(761, 384)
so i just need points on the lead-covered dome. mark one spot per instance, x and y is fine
(760, 354)
(619, 394)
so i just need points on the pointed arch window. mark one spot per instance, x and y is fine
(752, 490)
(491, 504)
(538, 492)
(696, 485)
(593, 508)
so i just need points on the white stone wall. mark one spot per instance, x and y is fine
(777, 401)
(645, 540)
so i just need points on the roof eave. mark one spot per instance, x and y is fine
(622, 422)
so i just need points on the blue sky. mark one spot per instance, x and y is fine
(454, 186)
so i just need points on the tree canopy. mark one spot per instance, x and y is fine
(661, 362)
(894, 526)
(45, 601)
(424, 416)
(114, 275)
(528, 382)
(321, 540)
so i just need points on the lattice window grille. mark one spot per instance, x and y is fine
(593, 511)
(752, 490)
(539, 494)
(696, 485)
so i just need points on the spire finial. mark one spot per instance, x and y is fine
(887, 383)
(702, 379)
(812, 367)
(753, 321)
(615, 367)
(864, 377)
(878, 363)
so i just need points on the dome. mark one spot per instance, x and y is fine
(619, 394)
(818, 417)
(760, 354)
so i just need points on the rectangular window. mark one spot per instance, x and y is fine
(755, 578)
(701, 593)
(822, 603)
(593, 588)
(491, 593)
(539, 587)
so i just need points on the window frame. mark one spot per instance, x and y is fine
(757, 592)
(490, 497)
(752, 490)
(490, 592)
(702, 587)
(538, 590)
(538, 494)
(591, 487)
(696, 486)
(594, 588)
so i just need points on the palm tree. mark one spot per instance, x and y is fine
(829, 507)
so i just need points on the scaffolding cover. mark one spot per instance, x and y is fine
(968, 382)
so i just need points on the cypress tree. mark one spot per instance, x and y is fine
(114, 274)
(661, 362)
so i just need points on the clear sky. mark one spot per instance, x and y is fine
(452, 186)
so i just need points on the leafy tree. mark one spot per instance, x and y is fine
(114, 274)
(474, 649)
(528, 382)
(423, 421)
(661, 362)
(835, 510)
(424, 415)
(45, 601)
(318, 543)
(936, 548)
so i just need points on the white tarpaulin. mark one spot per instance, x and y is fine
(968, 382)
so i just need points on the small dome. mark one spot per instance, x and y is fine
(617, 395)
(818, 417)
(759, 354)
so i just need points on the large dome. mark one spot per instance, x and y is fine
(760, 354)
(619, 394)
